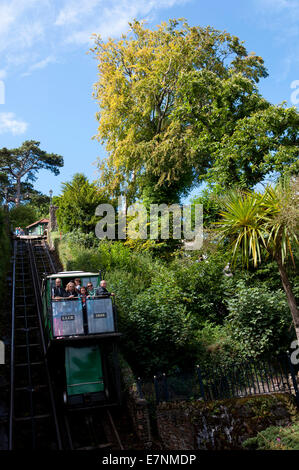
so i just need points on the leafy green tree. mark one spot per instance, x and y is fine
(40, 203)
(77, 204)
(24, 163)
(153, 87)
(209, 198)
(258, 224)
(237, 136)
(22, 215)
(262, 143)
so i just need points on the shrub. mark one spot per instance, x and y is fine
(204, 286)
(275, 438)
(259, 320)
(182, 312)
(214, 345)
(156, 328)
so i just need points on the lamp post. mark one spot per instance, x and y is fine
(52, 221)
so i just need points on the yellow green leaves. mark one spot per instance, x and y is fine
(140, 89)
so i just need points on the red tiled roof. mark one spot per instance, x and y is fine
(41, 221)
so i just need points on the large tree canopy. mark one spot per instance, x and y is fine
(237, 136)
(173, 104)
(24, 162)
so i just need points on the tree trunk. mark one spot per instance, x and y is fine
(18, 195)
(289, 293)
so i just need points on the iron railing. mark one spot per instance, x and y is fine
(214, 383)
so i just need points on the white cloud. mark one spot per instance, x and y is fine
(81, 20)
(31, 30)
(41, 64)
(281, 17)
(281, 4)
(8, 123)
(74, 11)
(279, 11)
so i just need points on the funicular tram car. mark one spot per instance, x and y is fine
(82, 343)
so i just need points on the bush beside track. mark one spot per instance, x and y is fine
(176, 313)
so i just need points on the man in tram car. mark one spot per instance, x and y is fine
(58, 291)
(78, 284)
(102, 290)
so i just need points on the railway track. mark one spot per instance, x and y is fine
(32, 418)
(37, 418)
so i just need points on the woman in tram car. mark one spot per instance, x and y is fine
(71, 291)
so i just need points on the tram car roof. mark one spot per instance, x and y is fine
(72, 274)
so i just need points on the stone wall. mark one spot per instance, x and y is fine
(222, 424)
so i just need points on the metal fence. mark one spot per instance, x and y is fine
(213, 383)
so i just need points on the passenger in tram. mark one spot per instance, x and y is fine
(58, 291)
(78, 284)
(83, 295)
(91, 292)
(70, 291)
(102, 290)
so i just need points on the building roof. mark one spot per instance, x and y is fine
(41, 221)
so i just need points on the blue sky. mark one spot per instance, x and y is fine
(48, 75)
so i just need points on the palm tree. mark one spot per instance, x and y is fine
(258, 224)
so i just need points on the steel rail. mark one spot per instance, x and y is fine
(46, 247)
(19, 254)
(36, 286)
(114, 430)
